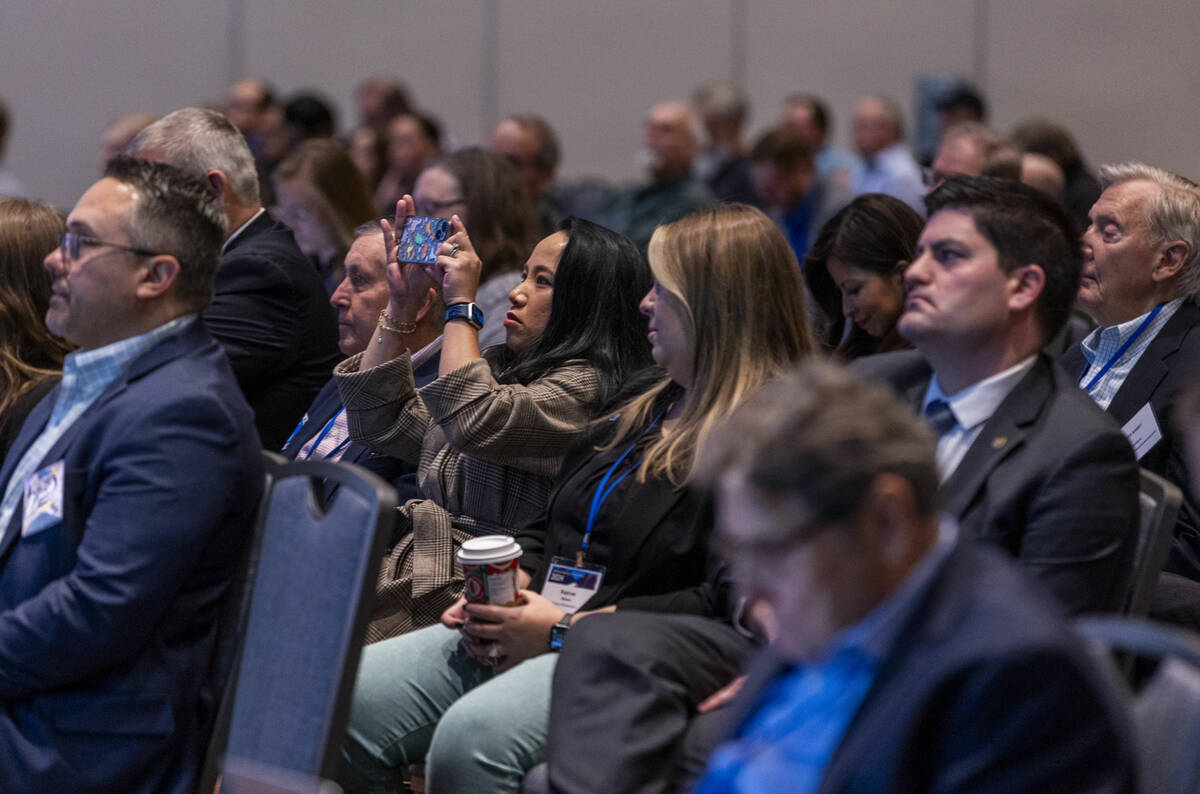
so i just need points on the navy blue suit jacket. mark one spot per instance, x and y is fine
(1050, 478)
(107, 618)
(272, 315)
(1169, 362)
(985, 691)
(401, 474)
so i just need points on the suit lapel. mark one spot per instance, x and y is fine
(1000, 436)
(1152, 367)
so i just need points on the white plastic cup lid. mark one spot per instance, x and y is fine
(488, 549)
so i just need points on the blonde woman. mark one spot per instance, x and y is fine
(726, 314)
(30, 356)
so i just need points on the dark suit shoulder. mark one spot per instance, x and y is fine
(901, 369)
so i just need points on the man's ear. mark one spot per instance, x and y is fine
(217, 182)
(1027, 284)
(1171, 260)
(427, 305)
(161, 273)
(890, 513)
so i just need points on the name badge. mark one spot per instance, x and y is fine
(43, 499)
(569, 585)
(1142, 431)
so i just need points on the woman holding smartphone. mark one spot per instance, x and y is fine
(489, 433)
(726, 313)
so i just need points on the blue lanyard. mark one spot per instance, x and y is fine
(1121, 350)
(602, 492)
(324, 432)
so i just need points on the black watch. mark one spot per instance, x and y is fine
(558, 633)
(465, 312)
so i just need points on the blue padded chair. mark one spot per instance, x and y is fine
(309, 605)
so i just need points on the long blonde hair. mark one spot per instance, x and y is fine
(28, 351)
(742, 295)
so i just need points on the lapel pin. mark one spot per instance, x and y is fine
(999, 441)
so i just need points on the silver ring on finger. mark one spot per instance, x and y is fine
(453, 249)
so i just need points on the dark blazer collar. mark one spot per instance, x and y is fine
(1154, 363)
(1000, 436)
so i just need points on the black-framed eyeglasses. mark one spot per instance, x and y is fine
(70, 244)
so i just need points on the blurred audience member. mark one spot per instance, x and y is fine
(246, 105)
(359, 300)
(368, 150)
(972, 149)
(30, 356)
(413, 141)
(810, 116)
(787, 185)
(1141, 276)
(484, 191)
(381, 99)
(308, 115)
(269, 310)
(724, 165)
(889, 166)
(127, 499)
(889, 638)
(855, 272)
(530, 145)
(321, 197)
(962, 105)
(119, 133)
(1039, 171)
(670, 146)
(9, 184)
(1049, 138)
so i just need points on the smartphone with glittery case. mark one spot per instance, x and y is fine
(420, 238)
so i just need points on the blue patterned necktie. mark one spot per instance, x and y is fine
(940, 417)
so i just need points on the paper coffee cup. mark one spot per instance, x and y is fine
(490, 564)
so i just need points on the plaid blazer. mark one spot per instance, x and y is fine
(486, 455)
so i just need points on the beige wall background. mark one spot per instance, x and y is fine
(1125, 77)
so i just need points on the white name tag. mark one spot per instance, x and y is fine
(569, 586)
(43, 499)
(1142, 431)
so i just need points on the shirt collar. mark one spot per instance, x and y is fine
(238, 232)
(976, 403)
(123, 351)
(1114, 336)
(876, 634)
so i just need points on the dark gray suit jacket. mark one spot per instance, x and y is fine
(1050, 478)
(1166, 366)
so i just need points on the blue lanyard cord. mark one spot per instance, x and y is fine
(324, 432)
(1121, 350)
(602, 492)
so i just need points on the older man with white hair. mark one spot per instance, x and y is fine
(1141, 276)
(270, 309)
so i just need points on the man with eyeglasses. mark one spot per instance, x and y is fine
(126, 498)
(270, 310)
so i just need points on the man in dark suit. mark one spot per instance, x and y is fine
(359, 299)
(127, 497)
(899, 660)
(1141, 273)
(269, 308)
(1027, 461)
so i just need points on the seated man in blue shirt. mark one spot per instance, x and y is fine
(127, 498)
(900, 661)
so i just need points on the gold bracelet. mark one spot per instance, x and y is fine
(388, 323)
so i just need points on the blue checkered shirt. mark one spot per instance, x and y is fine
(1102, 344)
(86, 374)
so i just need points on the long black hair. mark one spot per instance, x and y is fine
(600, 280)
